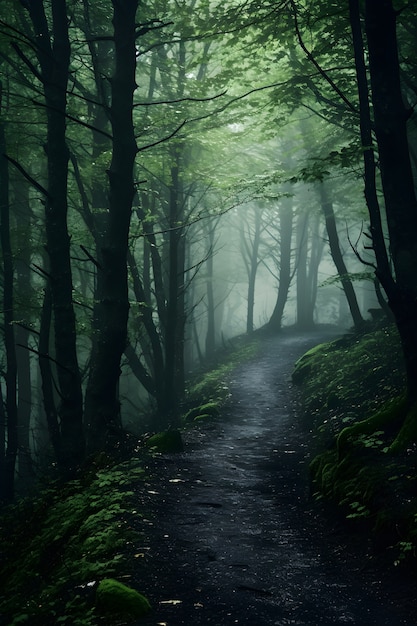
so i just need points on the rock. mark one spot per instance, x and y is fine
(115, 597)
(166, 442)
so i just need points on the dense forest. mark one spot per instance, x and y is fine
(176, 174)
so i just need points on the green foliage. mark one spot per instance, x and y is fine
(211, 386)
(352, 276)
(353, 397)
(58, 545)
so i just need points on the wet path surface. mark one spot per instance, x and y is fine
(234, 537)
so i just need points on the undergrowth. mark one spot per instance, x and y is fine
(56, 547)
(210, 386)
(352, 391)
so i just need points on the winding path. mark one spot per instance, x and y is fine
(234, 537)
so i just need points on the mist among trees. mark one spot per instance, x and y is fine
(175, 174)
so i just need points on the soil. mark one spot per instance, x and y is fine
(233, 535)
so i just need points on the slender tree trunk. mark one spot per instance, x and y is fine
(211, 324)
(158, 367)
(253, 269)
(8, 461)
(337, 256)
(53, 49)
(317, 246)
(112, 307)
(24, 294)
(173, 392)
(285, 275)
(305, 309)
(45, 367)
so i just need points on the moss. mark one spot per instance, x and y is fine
(354, 402)
(408, 432)
(55, 545)
(114, 597)
(211, 384)
(166, 442)
(305, 364)
(388, 415)
(210, 409)
(349, 378)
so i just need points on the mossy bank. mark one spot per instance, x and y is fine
(353, 402)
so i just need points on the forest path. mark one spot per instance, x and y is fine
(233, 535)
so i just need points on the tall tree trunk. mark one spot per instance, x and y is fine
(371, 196)
(305, 310)
(173, 390)
(146, 318)
(337, 256)
(253, 263)
(45, 367)
(211, 323)
(317, 247)
(53, 50)
(24, 294)
(8, 461)
(390, 116)
(285, 275)
(112, 304)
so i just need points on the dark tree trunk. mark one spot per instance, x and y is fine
(174, 338)
(45, 367)
(253, 263)
(112, 307)
(317, 247)
(371, 197)
(24, 407)
(211, 323)
(337, 256)
(8, 461)
(390, 116)
(157, 357)
(24, 294)
(53, 50)
(305, 308)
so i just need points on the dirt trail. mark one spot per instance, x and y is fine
(234, 537)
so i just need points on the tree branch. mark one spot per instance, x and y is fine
(321, 71)
(27, 176)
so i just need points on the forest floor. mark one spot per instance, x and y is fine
(233, 535)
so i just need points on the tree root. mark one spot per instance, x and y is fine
(392, 412)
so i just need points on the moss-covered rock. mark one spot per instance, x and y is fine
(114, 597)
(355, 404)
(169, 441)
(209, 409)
(305, 363)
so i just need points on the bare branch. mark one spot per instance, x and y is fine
(188, 99)
(311, 58)
(27, 176)
(167, 138)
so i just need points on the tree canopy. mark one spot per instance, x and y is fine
(179, 173)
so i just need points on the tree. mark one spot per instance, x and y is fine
(250, 239)
(53, 54)
(112, 306)
(8, 413)
(337, 256)
(390, 119)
